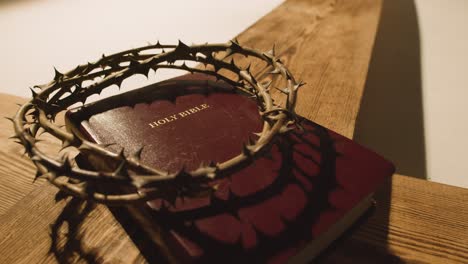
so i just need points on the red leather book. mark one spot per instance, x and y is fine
(287, 205)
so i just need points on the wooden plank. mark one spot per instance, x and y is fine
(415, 221)
(427, 223)
(426, 217)
(26, 232)
(329, 44)
(8, 107)
(28, 239)
(16, 171)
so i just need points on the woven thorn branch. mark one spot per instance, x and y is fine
(37, 116)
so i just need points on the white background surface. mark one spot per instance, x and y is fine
(444, 55)
(37, 35)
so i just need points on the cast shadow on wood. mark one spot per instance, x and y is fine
(390, 119)
(367, 240)
(66, 234)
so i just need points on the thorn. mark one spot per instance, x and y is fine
(14, 137)
(217, 66)
(228, 52)
(118, 82)
(272, 52)
(34, 93)
(235, 45)
(251, 142)
(266, 85)
(284, 91)
(299, 85)
(285, 129)
(40, 87)
(158, 44)
(78, 88)
(35, 158)
(134, 64)
(137, 154)
(233, 63)
(34, 114)
(181, 174)
(58, 75)
(121, 154)
(9, 118)
(83, 147)
(89, 66)
(257, 134)
(60, 195)
(185, 67)
(39, 175)
(212, 164)
(121, 169)
(66, 166)
(65, 144)
(246, 150)
(275, 71)
(182, 47)
(248, 68)
(273, 49)
(138, 182)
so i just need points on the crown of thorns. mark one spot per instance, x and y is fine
(37, 116)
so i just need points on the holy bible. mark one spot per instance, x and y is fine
(285, 206)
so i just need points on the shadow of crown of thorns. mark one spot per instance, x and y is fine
(37, 116)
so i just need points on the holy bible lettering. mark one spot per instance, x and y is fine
(175, 117)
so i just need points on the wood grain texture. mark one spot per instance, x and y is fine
(415, 221)
(424, 217)
(326, 43)
(27, 227)
(16, 171)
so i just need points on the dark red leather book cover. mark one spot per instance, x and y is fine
(265, 212)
